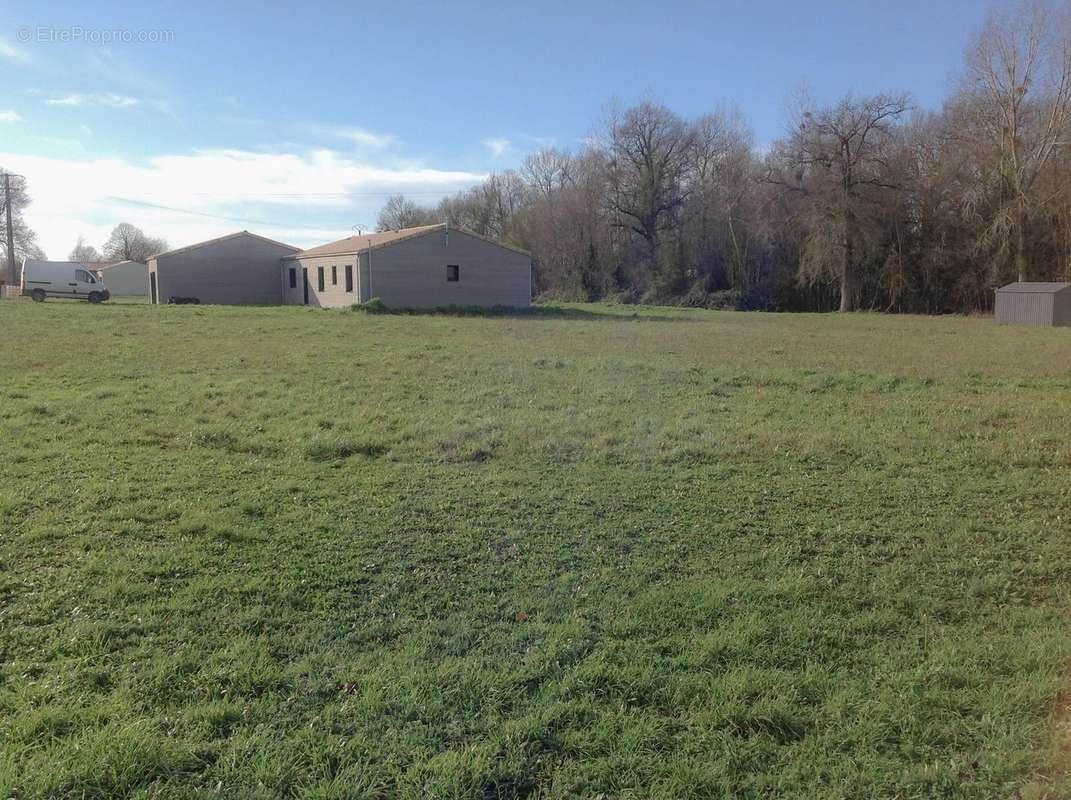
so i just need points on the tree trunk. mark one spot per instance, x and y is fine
(847, 275)
(1020, 241)
(847, 291)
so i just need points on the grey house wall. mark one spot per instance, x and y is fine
(1033, 308)
(127, 279)
(412, 273)
(334, 295)
(241, 270)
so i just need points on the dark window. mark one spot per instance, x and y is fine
(320, 278)
(334, 275)
(453, 272)
(349, 277)
(293, 278)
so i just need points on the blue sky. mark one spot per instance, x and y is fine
(296, 122)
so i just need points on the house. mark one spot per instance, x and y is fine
(426, 267)
(123, 278)
(239, 269)
(1034, 303)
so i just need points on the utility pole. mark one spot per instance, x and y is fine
(12, 267)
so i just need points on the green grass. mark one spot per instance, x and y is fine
(585, 552)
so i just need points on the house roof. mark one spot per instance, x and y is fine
(367, 241)
(223, 239)
(353, 245)
(1035, 287)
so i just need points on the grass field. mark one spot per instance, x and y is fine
(586, 552)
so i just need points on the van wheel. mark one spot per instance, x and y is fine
(38, 295)
(94, 297)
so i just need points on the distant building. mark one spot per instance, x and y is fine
(239, 269)
(123, 278)
(426, 267)
(1034, 303)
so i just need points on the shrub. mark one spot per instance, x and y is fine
(727, 300)
(372, 306)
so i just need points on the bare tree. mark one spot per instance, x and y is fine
(84, 253)
(719, 170)
(565, 223)
(647, 150)
(838, 159)
(129, 243)
(401, 212)
(1016, 98)
(489, 208)
(25, 239)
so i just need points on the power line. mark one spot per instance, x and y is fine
(133, 202)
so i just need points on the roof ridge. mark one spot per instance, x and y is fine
(340, 247)
(386, 238)
(222, 239)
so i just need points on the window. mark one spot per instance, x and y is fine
(349, 277)
(293, 278)
(453, 272)
(334, 275)
(83, 276)
(320, 278)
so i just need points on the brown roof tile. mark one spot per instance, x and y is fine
(373, 241)
(365, 241)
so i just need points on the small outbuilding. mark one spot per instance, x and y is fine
(123, 278)
(430, 266)
(1034, 303)
(239, 269)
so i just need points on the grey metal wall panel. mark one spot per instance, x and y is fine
(413, 274)
(242, 270)
(129, 279)
(1024, 308)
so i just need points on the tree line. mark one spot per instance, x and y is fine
(867, 202)
(126, 242)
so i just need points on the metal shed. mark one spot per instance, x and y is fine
(239, 269)
(1034, 303)
(124, 278)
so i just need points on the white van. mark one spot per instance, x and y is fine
(41, 279)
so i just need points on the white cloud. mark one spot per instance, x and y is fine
(496, 146)
(356, 135)
(107, 99)
(305, 198)
(10, 116)
(11, 53)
